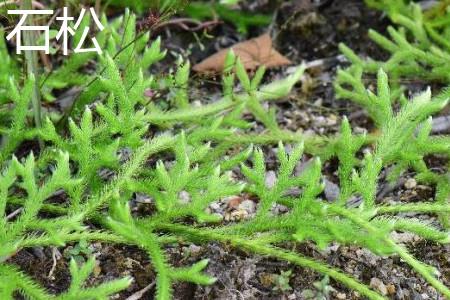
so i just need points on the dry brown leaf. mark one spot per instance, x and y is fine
(253, 53)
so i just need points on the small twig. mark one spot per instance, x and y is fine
(183, 23)
(139, 294)
(323, 62)
(13, 214)
(45, 60)
(55, 257)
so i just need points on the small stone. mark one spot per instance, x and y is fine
(38, 252)
(279, 209)
(320, 121)
(195, 250)
(332, 120)
(367, 151)
(379, 285)
(360, 130)
(124, 154)
(341, 296)
(331, 191)
(271, 178)
(318, 102)
(197, 103)
(410, 183)
(391, 289)
(143, 198)
(184, 197)
(215, 206)
(248, 205)
(238, 215)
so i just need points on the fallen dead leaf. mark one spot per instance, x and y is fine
(253, 53)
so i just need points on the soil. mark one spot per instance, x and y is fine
(313, 33)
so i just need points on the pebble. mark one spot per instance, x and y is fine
(368, 256)
(271, 178)
(410, 183)
(359, 130)
(197, 103)
(215, 206)
(391, 289)
(341, 296)
(194, 249)
(332, 120)
(248, 205)
(279, 209)
(143, 198)
(321, 121)
(38, 252)
(379, 285)
(124, 154)
(318, 102)
(304, 116)
(331, 191)
(238, 215)
(184, 197)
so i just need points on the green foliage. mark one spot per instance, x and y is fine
(117, 144)
(161, 6)
(418, 48)
(418, 51)
(321, 292)
(282, 281)
(199, 10)
(95, 143)
(8, 68)
(242, 20)
(15, 129)
(14, 280)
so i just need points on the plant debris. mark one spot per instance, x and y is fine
(252, 53)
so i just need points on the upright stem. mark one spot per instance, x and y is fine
(31, 58)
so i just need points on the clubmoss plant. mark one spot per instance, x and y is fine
(418, 52)
(117, 144)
